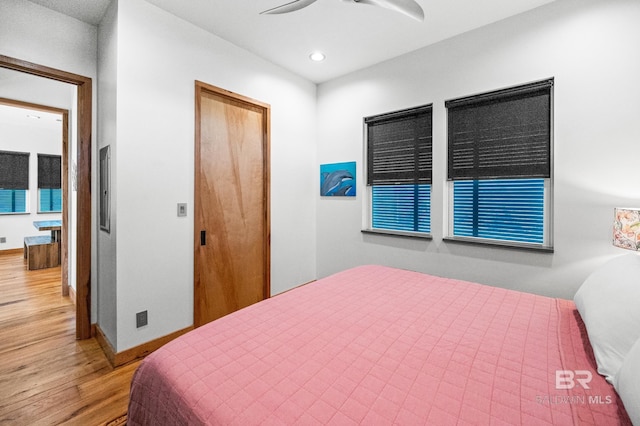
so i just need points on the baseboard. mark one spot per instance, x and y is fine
(293, 288)
(11, 251)
(108, 350)
(120, 358)
(72, 295)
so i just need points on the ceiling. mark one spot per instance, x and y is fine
(26, 117)
(353, 36)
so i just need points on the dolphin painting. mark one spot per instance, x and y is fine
(339, 182)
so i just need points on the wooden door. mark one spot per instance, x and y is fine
(232, 232)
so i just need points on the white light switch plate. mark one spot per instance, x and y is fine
(182, 209)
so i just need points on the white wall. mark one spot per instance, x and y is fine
(36, 136)
(36, 34)
(590, 47)
(159, 57)
(107, 136)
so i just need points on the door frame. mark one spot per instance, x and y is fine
(200, 89)
(83, 154)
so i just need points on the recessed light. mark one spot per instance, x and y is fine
(317, 56)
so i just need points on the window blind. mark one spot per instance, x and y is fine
(50, 200)
(402, 207)
(399, 169)
(399, 147)
(13, 200)
(501, 134)
(14, 170)
(506, 209)
(49, 171)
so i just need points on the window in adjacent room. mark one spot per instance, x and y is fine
(14, 181)
(398, 150)
(49, 183)
(500, 166)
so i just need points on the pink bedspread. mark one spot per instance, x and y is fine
(376, 345)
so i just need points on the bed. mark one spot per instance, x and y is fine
(377, 345)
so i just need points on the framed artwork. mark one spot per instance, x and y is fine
(338, 179)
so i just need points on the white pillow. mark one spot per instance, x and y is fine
(609, 304)
(628, 383)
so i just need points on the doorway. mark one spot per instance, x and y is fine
(232, 203)
(64, 149)
(83, 224)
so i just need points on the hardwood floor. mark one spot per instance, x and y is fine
(47, 377)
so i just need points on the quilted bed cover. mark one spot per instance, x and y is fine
(377, 345)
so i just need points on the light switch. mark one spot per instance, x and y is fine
(182, 209)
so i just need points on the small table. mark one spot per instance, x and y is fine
(54, 226)
(53, 249)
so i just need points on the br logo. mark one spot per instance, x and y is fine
(567, 379)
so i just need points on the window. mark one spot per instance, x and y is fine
(14, 181)
(399, 171)
(49, 183)
(499, 165)
(13, 201)
(500, 209)
(50, 200)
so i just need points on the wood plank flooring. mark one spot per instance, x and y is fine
(47, 377)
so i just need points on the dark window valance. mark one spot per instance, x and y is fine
(399, 147)
(14, 170)
(49, 171)
(501, 134)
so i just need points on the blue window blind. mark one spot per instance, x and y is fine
(499, 209)
(402, 207)
(50, 200)
(399, 160)
(13, 201)
(499, 149)
(49, 183)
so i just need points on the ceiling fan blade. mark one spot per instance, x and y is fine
(288, 7)
(409, 8)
